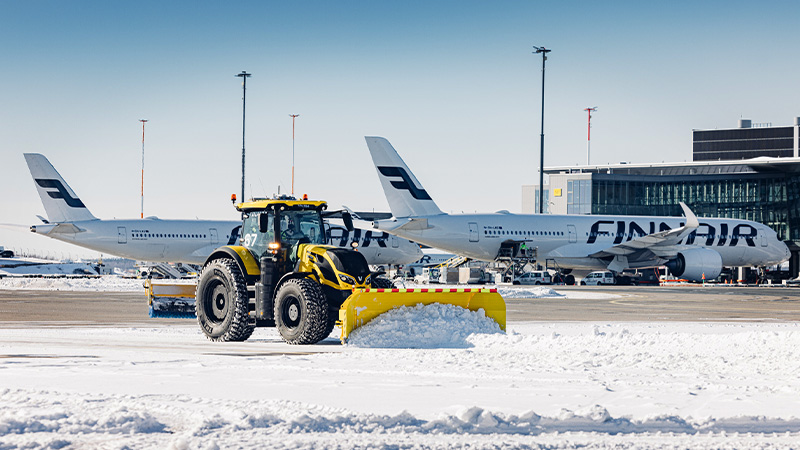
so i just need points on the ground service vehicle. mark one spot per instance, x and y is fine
(534, 277)
(283, 275)
(599, 278)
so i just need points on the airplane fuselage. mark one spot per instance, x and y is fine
(191, 241)
(570, 239)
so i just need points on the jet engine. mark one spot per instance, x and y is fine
(692, 264)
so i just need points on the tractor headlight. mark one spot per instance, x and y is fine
(347, 278)
(367, 280)
(274, 247)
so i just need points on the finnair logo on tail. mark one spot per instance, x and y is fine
(406, 184)
(60, 192)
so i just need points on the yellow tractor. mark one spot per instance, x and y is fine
(283, 275)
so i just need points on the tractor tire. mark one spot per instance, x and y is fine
(302, 315)
(382, 283)
(569, 280)
(221, 302)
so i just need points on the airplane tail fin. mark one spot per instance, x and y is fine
(59, 200)
(404, 193)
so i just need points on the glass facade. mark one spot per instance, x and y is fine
(579, 196)
(772, 199)
(742, 143)
(545, 204)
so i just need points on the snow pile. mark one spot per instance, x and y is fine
(437, 325)
(48, 268)
(528, 292)
(106, 283)
(34, 419)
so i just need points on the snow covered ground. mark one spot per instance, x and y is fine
(541, 385)
(119, 284)
(35, 266)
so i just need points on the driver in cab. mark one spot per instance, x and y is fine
(291, 233)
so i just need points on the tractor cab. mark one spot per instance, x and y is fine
(277, 227)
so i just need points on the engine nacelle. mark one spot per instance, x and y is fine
(694, 263)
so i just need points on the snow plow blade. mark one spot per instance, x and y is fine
(366, 304)
(170, 300)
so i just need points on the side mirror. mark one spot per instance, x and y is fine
(263, 223)
(348, 221)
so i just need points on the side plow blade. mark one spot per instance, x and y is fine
(174, 301)
(366, 304)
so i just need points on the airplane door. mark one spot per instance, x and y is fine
(763, 237)
(573, 235)
(122, 235)
(212, 232)
(473, 232)
(395, 242)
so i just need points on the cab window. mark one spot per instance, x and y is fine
(301, 227)
(252, 238)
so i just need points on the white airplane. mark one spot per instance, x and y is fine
(156, 240)
(691, 248)
(378, 247)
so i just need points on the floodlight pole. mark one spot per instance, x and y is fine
(293, 116)
(141, 214)
(589, 133)
(244, 75)
(544, 53)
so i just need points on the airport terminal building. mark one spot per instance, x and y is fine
(750, 173)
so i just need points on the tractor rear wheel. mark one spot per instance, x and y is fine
(301, 312)
(221, 302)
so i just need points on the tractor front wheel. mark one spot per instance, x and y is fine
(301, 312)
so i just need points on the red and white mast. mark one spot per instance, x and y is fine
(293, 116)
(589, 133)
(141, 214)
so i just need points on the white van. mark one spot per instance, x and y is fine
(535, 277)
(599, 278)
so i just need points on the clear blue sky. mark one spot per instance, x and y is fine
(453, 85)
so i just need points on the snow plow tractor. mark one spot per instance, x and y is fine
(284, 275)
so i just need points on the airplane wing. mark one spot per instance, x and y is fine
(663, 244)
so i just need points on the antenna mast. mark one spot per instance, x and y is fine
(589, 133)
(141, 214)
(244, 75)
(544, 52)
(293, 116)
